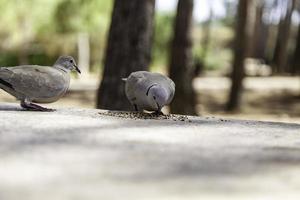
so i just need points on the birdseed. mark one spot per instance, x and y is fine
(145, 116)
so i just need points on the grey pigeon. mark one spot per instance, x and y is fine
(149, 91)
(40, 84)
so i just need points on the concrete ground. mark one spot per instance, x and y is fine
(93, 154)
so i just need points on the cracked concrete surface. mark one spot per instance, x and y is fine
(89, 154)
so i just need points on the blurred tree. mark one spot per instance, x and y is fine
(295, 68)
(296, 59)
(259, 33)
(128, 50)
(181, 66)
(207, 33)
(162, 33)
(280, 56)
(240, 50)
(200, 62)
(230, 9)
(64, 16)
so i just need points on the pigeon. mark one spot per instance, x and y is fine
(149, 91)
(38, 84)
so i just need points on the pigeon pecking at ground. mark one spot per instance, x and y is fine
(149, 91)
(39, 84)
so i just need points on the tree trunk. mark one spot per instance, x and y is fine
(296, 60)
(200, 62)
(128, 50)
(181, 66)
(240, 51)
(281, 49)
(259, 35)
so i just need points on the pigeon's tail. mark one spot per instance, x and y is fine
(124, 79)
(4, 72)
(6, 86)
(5, 83)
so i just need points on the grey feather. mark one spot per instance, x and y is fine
(149, 91)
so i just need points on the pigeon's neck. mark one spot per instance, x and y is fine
(59, 67)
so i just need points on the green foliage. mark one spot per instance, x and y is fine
(162, 37)
(219, 53)
(65, 17)
(81, 15)
(8, 59)
(48, 28)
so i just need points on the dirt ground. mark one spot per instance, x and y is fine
(281, 106)
(266, 99)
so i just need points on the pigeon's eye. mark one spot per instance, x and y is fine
(71, 61)
(154, 97)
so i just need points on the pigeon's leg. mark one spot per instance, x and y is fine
(135, 107)
(34, 107)
(159, 112)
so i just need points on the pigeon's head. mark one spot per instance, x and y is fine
(158, 96)
(68, 63)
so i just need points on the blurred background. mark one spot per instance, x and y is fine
(235, 58)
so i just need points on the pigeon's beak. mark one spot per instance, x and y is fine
(77, 69)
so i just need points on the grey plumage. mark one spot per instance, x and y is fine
(149, 91)
(40, 84)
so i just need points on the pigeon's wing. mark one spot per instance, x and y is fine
(133, 85)
(33, 81)
(172, 90)
(170, 87)
(136, 88)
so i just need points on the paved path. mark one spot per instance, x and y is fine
(92, 154)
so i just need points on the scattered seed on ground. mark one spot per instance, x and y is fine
(145, 116)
